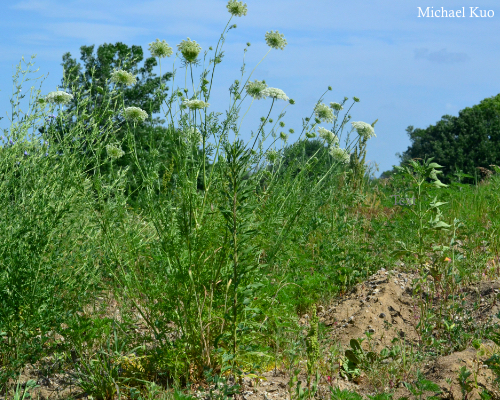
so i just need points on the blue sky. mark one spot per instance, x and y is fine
(406, 69)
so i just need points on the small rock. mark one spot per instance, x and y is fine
(382, 315)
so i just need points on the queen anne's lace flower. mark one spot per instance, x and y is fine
(336, 106)
(283, 136)
(272, 156)
(365, 130)
(340, 155)
(194, 134)
(195, 104)
(256, 88)
(160, 49)
(274, 93)
(189, 50)
(135, 114)
(121, 76)
(236, 8)
(114, 152)
(324, 113)
(276, 40)
(329, 136)
(59, 97)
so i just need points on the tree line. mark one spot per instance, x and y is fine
(463, 145)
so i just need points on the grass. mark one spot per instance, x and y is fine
(210, 282)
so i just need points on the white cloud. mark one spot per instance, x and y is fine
(442, 56)
(96, 33)
(90, 9)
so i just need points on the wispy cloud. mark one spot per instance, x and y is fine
(90, 9)
(442, 56)
(96, 33)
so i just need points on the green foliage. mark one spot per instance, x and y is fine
(23, 393)
(337, 394)
(357, 359)
(357, 163)
(493, 362)
(302, 393)
(421, 386)
(466, 142)
(42, 198)
(298, 156)
(90, 114)
(209, 269)
(414, 182)
(312, 344)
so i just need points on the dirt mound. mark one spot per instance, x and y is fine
(382, 302)
(385, 306)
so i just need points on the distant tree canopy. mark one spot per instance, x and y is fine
(93, 82)
(295, 156)
(464, 143)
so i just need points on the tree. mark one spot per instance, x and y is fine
(462, 143)
(93, 82)
(296, 155)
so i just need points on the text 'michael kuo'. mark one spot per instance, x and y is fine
(429, 12)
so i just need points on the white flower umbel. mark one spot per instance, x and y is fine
(195, 104)
(121, 76)
(324, 113)
(336, 106)
(59, 97)
(237, 8)
(274, 93)
(340, 155)
(160, 49)
(189, 50)
(135, 114)
(256, 88)
(276, 40)
(114, 152)
(364, 130)
(272, 156)
(330, 137)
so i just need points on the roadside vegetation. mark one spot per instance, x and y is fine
(196, 269)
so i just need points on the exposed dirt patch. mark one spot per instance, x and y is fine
(384, 306)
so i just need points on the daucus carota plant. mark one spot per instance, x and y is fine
(193, 272)
(415, 177)
(209, 221)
